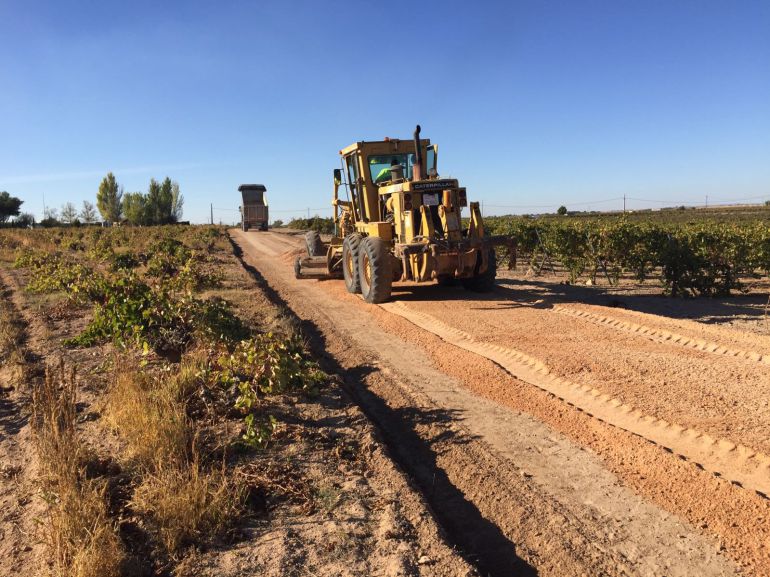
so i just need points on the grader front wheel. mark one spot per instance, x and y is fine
(483, 282)
(375, 270)
(350, 255)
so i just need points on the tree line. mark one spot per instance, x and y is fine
(161, 204)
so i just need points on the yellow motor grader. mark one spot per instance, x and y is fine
(400, 222)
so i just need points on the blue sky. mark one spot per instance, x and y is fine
(534, 103)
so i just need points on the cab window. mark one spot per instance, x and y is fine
(351, 164)
(379, 166)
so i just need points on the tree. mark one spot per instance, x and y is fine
(152, 208)
(9, 206)
(108, 199)
(69, 213)
(166, 202)
(24, 220)
(562, 210)
(277, 223)
(88, 213)
(177, 202)
(135, 208)
(50, 217)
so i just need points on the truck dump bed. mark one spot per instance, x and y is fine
(254, 213)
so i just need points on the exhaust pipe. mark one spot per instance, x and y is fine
(417, 168)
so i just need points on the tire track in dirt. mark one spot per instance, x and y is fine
(737, 463)
(21, 548)
(663, 336)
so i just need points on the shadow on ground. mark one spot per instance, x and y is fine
(479, 540)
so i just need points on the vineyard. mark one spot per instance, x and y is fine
(703, 258)
(178, 415)
(689, 252)
(144, 291)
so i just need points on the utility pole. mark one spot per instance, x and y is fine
(308, 213)
(707, 201)
(624, 204)
(212, 213)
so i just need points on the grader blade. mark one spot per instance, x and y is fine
(313, 267)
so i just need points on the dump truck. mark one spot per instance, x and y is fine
(400, 221)
(254, 213)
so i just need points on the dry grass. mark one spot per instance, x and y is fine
(187, 380)
(185, 500)
(188, 504)
(148, 416)
(11, 346)
(79, 533)
(53, 414)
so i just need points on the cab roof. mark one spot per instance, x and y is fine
(384, 146)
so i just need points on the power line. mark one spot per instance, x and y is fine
(586, 202)
(653, 201)
(761, 197)
(298, 210)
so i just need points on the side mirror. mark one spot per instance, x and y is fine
(337, 176)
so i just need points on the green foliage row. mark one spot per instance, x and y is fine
(263, 365)
(318, 223)
(705, 258)
(144, 290)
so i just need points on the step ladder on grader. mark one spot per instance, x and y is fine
(400, 222)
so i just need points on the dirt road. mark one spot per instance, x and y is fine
(551, 433)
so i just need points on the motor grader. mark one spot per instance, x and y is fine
(400, 222)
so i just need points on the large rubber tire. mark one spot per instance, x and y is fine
(483, 282)
(375, 270)
(350, 249)
(315, 247)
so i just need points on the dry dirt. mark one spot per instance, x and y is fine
(522, 479)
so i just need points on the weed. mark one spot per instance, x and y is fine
(328, 497)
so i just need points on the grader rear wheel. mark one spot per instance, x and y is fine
(315, 247)
(375, 270)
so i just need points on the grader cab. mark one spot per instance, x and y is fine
(400, 222)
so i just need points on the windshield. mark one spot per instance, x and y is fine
(379, 166)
